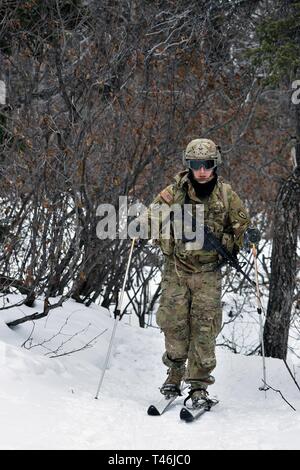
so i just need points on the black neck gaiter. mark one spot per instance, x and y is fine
(203, 190)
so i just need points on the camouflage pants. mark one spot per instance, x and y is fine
(190, 317)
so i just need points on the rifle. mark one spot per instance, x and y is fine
(227, 257)
(211, 241)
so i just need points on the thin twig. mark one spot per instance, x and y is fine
(291, 374)
(87, 345)
(278, 391)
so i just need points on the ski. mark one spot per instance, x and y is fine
(190, 414)
(162, 405)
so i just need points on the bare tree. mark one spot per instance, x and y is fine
(102, 96)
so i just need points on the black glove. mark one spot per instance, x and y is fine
(139, 243)
(142, 231)
(235, 251)
(207, 246)
(252, 237)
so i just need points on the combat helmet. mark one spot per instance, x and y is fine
(199, 151)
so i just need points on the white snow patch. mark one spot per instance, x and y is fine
(48, 403)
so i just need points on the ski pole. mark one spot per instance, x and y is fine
(117, 319)
(259, 311)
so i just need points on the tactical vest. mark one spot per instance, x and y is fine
(215, 216)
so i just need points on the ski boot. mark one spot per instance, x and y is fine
(171, 386)
(198, 393)
(199, 397)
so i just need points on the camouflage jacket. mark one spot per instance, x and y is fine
(224, 213)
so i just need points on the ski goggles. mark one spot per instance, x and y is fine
(197, 164)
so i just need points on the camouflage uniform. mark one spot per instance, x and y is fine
(190, 313)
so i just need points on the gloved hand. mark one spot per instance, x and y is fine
(207, 246)
(252, 237)
(141, 234)
(139, 242)
(235, 251)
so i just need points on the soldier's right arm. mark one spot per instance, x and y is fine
(152, 217)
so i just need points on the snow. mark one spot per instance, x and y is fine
(48, 402)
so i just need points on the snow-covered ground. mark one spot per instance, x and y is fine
(48, 403)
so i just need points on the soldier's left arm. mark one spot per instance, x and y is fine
(238, 219)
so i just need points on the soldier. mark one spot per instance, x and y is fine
(189, 313)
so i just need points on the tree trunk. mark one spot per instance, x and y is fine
(284, 260)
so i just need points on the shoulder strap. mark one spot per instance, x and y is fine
(224, 193)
